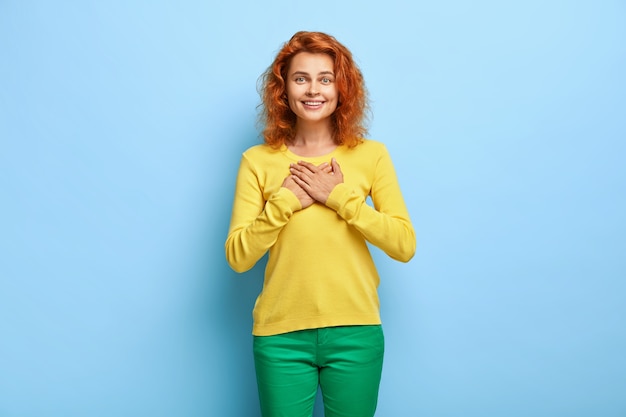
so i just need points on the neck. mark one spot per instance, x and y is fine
(312, 140)
(313, 135)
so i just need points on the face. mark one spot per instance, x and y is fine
(311, 89)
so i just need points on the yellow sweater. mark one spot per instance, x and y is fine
(319, 272)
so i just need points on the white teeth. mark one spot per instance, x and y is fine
(312, 103)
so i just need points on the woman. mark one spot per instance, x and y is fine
(302, 197)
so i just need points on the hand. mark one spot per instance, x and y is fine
(305, 199)
(317, 181)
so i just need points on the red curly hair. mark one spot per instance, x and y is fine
(277, 118)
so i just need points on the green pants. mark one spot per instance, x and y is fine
(346, 362)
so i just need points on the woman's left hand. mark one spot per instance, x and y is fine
(317, 181)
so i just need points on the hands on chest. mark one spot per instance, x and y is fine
(311, 183)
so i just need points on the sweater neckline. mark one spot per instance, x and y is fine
(314, 159)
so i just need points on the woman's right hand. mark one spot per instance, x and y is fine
(305, 199)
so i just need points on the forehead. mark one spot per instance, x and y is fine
(312, 63)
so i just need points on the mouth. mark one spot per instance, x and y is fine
(313, 104)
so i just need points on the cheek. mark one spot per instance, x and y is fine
(292, 103)
(335, 93)
(292, 93)
(288, 96)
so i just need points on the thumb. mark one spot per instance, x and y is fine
(335, 165)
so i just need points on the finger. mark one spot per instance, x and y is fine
(300, 173)
(301, 168)
(303, 184)
(335, 166)
(308, 165)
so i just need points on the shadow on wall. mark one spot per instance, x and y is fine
(225, 298)
(229, 311)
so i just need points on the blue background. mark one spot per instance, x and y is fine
(121, 129)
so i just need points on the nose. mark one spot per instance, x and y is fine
(313, 90)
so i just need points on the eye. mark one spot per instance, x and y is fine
(326, 80)
(300, 80)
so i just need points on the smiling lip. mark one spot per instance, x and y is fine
(313, 104)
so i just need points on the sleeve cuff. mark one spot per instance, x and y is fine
(290, 199)
(338, 197)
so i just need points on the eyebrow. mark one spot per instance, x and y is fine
(306, 73)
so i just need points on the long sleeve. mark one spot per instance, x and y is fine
(320, 271)
(386, 225)
(256, 221)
